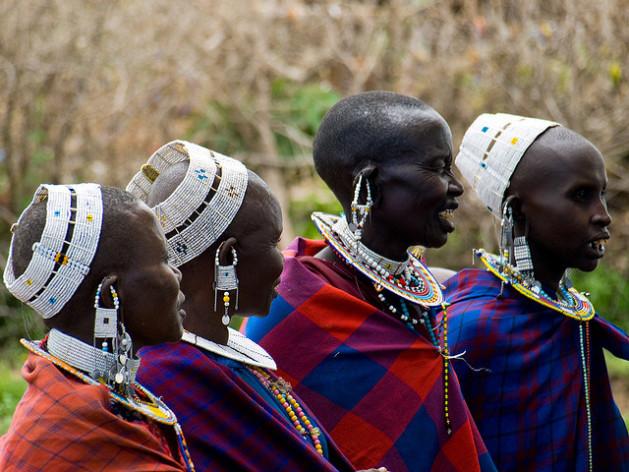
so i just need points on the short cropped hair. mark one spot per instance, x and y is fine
(362, 128)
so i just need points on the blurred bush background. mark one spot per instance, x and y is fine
(88, 89)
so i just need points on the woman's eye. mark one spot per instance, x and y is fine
(582, 195)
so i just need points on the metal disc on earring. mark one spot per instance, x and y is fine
(225, 320)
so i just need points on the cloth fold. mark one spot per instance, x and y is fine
(228, 425)
(64, 424)
(528, 400)
(375, 385)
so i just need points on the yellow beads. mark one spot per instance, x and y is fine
(446, 366)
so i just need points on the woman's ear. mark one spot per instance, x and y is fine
(369, 174)
(516, 209)
(225, 251)
(106, 298)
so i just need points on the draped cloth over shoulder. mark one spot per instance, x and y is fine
(376, 386)
(228, 425)
(528, 401)
(63, 424)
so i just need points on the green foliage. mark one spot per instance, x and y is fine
(12, 385)
(609, 292)
(296, 114)
(216, 129)
(301, 209)
(302, 107)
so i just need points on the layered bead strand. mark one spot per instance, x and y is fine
(441, 342)
(445, 353)
(584, 346)
(281, 391)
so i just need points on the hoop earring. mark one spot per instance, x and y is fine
(360, 211)
(514, 247)
(225, 281)
(506, 233)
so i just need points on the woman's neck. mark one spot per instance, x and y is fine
(202, 320)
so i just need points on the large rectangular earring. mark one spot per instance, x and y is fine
(523, 260)
(225, 281)
(106, 319)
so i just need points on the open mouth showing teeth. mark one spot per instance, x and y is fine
(598, 245)
(447, 215)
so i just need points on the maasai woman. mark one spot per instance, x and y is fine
(92, 262)
(354, 328)
(540, 393)
(223, 225)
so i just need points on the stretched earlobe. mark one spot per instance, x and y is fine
(225, 250)
(106, 299)
(225, 278)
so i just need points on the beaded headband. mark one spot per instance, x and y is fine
(62, 257)
(203, 205)
(490, 151)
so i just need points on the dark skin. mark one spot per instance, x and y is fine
(410, 190)
(558, 191)
(254, 234)
(147, 286)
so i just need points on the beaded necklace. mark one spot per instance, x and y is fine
(570, 303)
(238, 348)
(410, 279)
(281, 389)
(152, 408)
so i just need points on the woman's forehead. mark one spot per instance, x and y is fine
(559, 163)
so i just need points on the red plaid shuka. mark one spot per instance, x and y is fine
(63, 424)
(376, 386)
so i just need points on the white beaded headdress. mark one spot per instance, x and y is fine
(490, 151)
(62, 257)
(202, 206)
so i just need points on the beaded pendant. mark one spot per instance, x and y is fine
(415, 284)
(572, 304)
(281, 389)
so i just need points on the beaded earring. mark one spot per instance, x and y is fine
(225, 280)
(123, 350)
(522, 254)
(360, 211)
(106, 319)
(112, 331)
(506, 233)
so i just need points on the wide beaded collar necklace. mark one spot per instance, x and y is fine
(569, 301)
(410, 279)
(238, 348)
(149, 406)
(141, 401)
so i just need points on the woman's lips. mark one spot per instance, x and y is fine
(446, 218)
(596, 248)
